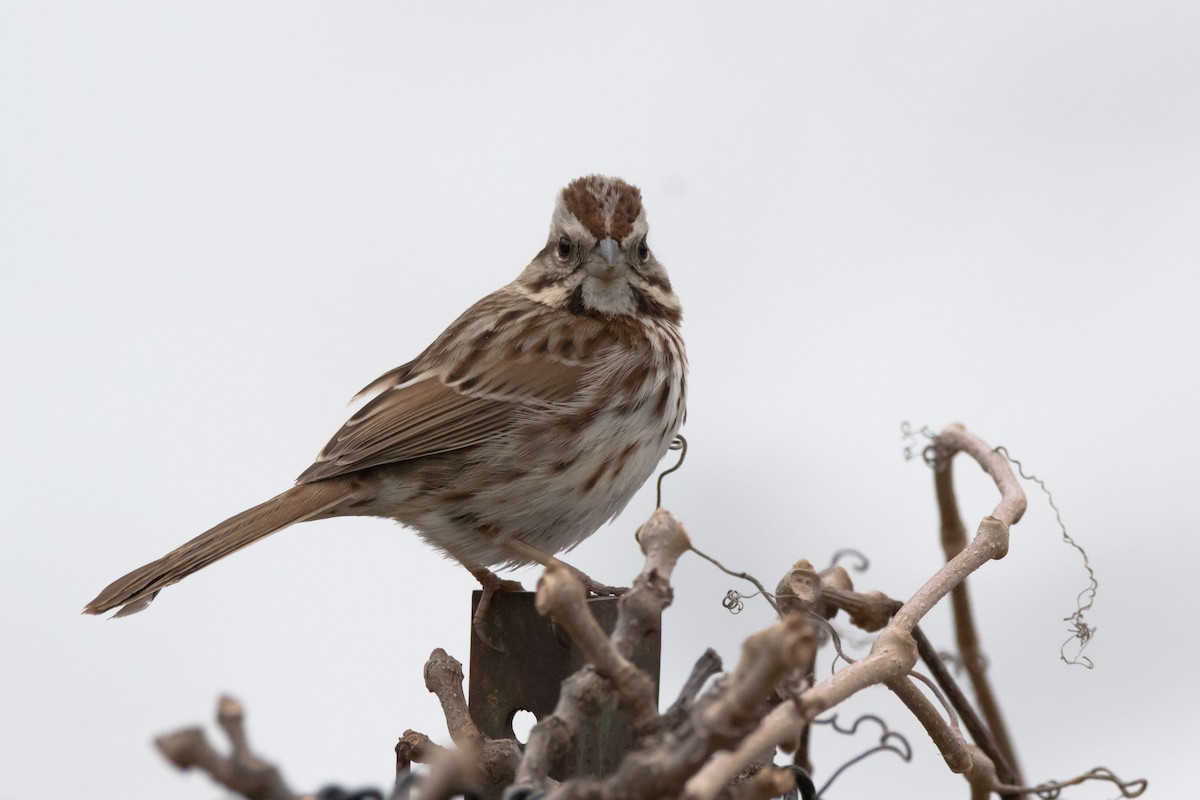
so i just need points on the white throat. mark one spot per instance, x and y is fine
(608, 297)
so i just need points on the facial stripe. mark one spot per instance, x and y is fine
(658, 281)
(653, 308)
(576, 305)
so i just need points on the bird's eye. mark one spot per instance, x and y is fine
(564, 247)
(643, 251)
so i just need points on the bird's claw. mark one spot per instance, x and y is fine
(491, 583)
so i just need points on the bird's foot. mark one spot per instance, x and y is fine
(491, 583)
(528, 552)
(595, 587)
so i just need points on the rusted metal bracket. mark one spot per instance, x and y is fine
(526, 674)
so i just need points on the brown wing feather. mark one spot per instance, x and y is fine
(433, 414)
(423, 419)
(386, 381)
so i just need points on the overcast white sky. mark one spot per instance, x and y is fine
(218, 222)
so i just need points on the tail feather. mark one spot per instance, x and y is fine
(134, 591)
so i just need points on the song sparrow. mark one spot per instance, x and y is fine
(526, 425)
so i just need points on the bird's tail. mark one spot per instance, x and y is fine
(135, 591)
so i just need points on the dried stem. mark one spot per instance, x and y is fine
(663, 540)
(416, 748)
(444, 678)
(871, 611)
(562, 597)
(980, 733)
(956, 438)
(894, 651)
(961, 756)
(706, 666)
(719, 743)
(241, 771)
(484, 766)
(452, 772)
(720, 720)
(954, 540)
(768, 782)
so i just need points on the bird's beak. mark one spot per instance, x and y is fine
(610, 250)
(610, 265)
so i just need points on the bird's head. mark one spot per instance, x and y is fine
(596, 260)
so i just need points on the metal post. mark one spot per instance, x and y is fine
(526, 674)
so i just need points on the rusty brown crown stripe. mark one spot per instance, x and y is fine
(584, 205)
(629, 206)
(606, 207)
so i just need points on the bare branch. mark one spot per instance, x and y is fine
(720, 719)
(663, 540)
(480, 764)
(416, 748)
(961, 757)
(241, 771)
(767, 656)
(452, 772)
(563, 599)
(954, 540)
(770, 781)
(706, 666)
(981, 734)
(870, 611)
(1012, 503)
(444, 678)
(894, 651)
(718, 743)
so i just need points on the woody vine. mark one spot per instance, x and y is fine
(720, 737)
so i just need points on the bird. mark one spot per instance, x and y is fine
(524, 427)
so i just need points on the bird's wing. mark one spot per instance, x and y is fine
(441, 402)
(387, 380)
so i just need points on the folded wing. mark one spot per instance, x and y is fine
(420, 412)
